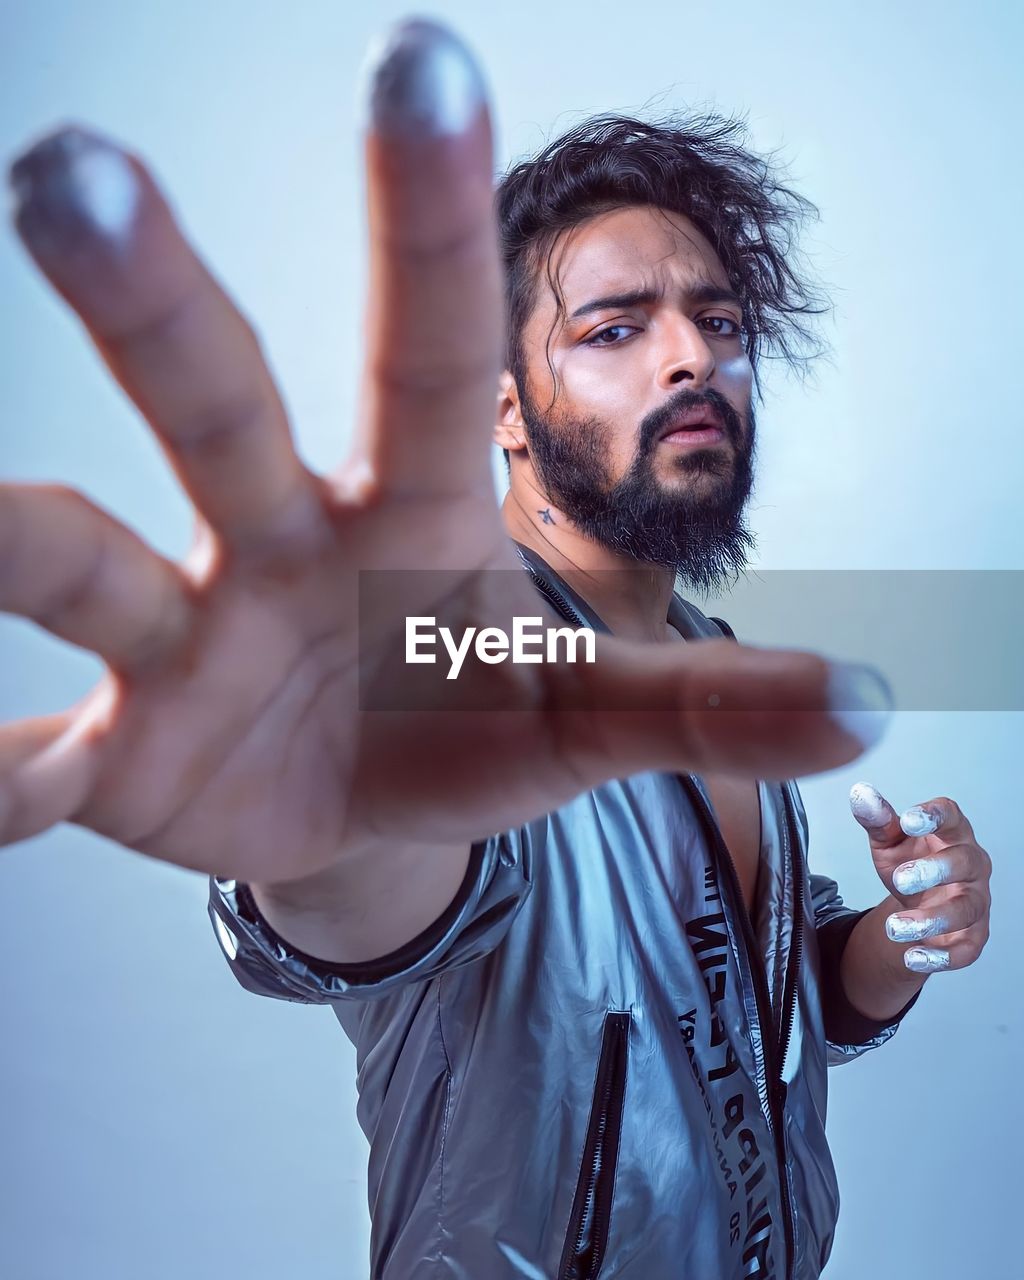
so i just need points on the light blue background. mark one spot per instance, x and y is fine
(158, 1120)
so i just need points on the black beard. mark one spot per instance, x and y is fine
(697, 530)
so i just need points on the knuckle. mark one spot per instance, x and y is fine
(962, 898)
(216, 428)
(950, 806)
(971, 951)
(79, 587)
(973, 910)
(472, 241)
(436, 379)
(161, 321)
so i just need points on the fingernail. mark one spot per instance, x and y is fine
(860, 700)
(904, 929)
(915, 877)
(422, 81)
(918, 821)
(925, 959)
(72, 187)
(868, 805)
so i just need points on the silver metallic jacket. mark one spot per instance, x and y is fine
(595, 1063)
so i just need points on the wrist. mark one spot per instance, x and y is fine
(876, 981)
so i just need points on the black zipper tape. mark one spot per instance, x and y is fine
(579, 1260)
(587, 1234)
(777, 1089)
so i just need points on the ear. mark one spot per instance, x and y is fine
(509, 431)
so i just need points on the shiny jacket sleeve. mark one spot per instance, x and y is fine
(848, 1032)
(498, 880)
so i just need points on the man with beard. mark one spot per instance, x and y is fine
(596, 479)
(572, 932)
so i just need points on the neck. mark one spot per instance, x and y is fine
(631, 597)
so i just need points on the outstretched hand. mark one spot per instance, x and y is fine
(230, 732)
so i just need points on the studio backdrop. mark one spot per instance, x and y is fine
(156, 1119)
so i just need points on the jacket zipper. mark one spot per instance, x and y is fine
(587, 1234)
(773, 1104)
(773, 1054)
(789, 989)
(789, 986)
(561, 604)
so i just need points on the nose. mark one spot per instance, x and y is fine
(686, 357)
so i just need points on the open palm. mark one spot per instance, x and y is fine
(232, 731)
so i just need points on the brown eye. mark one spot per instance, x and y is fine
(719, 333)
(595, 338)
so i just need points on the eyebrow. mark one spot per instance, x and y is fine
(703, 291)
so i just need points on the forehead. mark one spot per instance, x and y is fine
(622, 249)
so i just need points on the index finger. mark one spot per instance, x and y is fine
(940, 816)
(435, 312)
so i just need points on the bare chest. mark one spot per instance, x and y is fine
(739, 819)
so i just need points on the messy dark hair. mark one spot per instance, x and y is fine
(692, 165)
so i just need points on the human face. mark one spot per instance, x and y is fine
(651, 329)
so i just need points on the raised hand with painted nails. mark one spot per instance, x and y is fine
(937, 874)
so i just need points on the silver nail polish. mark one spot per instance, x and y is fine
(868, 805)
(918, 821)
(921, 875)
(860, 700)
(421, 80)
(74, 185)
(926, 959)
(914, 930)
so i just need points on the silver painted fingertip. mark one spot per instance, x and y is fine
(868, 805)
(73, 186)
(917, 821)
(420, 79)
(926, 959)
(860, 701)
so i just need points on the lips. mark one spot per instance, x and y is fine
(694, 420)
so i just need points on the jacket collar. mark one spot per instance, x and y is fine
(683, 616)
